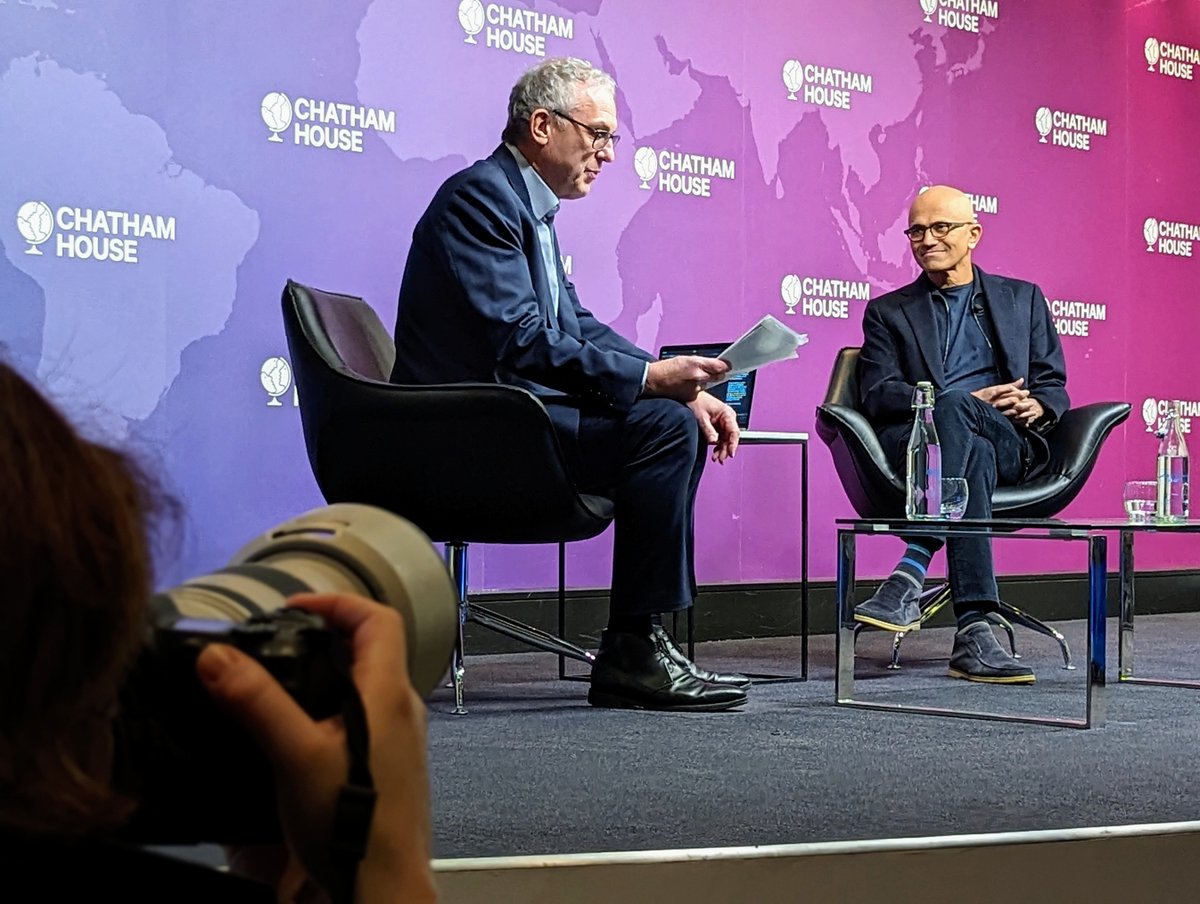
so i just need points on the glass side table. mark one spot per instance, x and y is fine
(1093, 533)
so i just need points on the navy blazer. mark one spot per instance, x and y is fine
(901, 348)
(475, 301)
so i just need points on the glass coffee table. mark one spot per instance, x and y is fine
(1094, 533)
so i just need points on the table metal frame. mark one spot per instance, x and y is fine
(1125, 656)
(1029, 529)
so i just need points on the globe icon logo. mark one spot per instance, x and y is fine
(1043, 120)
(790, 290)
(35, 222)
(1151, 51)
(645, 162)
(1150, 232)
(793, 77)
(276, 114)
(470, 17)
(276, 377)
(1150, 413)
(929, 6)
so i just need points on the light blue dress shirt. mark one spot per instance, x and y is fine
(545, 205)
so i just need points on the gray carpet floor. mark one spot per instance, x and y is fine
(532, 769)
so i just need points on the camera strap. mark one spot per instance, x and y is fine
(356, 801)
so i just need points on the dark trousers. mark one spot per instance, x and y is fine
(982, 445)
(649, 463)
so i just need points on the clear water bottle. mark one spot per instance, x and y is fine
(923, 484)
(1172, 502)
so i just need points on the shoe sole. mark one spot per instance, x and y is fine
(887, 626)
(604, 700)
(993, 679)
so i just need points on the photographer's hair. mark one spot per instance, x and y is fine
(553, 84)
(76, 569)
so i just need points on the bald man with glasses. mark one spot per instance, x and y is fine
(988, 345)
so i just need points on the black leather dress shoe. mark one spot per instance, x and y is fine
(637, 671)
(732, 679)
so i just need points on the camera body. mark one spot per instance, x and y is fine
(196, 775)
(309, 660)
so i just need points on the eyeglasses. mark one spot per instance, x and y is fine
(600, 137)
(939, 230)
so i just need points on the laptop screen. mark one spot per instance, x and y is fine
(737, 392)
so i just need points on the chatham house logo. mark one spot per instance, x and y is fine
(824, 86)
(35, 222)
(645, 164)
(1150, 414)
(321, 123)
(790, 290)
(963, 15)
(276, 114)
(1044, 120)
(512, 28)
(275, 375)
(1068, 130)
(470, 17)
(1151, 50)
(1170, 237)
(793, 78)
(681, 172)
(1154, 411)
(1174, 60)
(1150, 232)
(91, 233)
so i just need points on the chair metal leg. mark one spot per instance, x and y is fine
(456, 560)
(535, 637)
(932, 602)
(1012, 613)
(997, 619)
(897, 639)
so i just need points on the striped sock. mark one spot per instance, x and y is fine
(915, 563)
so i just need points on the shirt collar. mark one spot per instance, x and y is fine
(541, 197)
(976, 285)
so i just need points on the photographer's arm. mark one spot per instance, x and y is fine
(310, 757)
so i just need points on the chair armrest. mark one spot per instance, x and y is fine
(856, 431)
(1076, 439)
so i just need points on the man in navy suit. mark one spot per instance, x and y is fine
(989, 347)
(484, 298)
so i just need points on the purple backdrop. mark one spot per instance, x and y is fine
(771, 150)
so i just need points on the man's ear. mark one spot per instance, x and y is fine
(540, 126)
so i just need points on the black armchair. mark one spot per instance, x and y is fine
(876, 490)
(465, 462)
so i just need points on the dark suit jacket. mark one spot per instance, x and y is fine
(901, 348)
(475, 303)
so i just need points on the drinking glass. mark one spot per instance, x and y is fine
(1141, 500)
(954, 497)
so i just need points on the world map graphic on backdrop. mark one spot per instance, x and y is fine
(169, 168)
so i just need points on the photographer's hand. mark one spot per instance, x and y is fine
(310, 757)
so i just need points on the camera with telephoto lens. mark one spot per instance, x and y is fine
(196, 776)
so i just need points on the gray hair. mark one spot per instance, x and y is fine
(552, 84)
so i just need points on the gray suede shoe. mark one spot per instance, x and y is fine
(978, 656)
(894, 607)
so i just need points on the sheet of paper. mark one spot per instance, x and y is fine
(764, 343)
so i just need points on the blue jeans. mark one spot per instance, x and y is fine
(982, 445)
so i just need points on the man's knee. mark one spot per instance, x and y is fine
(954, 402)
(667, 415)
